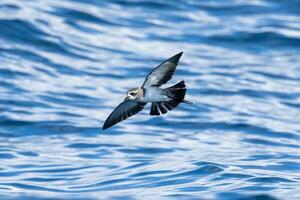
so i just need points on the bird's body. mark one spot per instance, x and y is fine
(162, 99)
(154, 94)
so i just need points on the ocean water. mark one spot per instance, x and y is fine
(66, 64)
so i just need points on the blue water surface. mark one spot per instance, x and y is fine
(65, 65)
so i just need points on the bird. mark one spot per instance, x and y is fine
(162, 99)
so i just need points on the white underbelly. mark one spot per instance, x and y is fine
(155, 95)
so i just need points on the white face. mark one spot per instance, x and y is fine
(132, 93)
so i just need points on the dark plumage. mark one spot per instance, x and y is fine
(163, 72)
(123, 111)
(176, 93)
(163, 100)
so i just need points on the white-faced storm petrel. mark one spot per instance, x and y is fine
(162, 99)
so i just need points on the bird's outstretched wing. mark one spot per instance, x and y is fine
(163, 72)
(123, 111)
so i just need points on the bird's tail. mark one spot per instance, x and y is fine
(176, 93)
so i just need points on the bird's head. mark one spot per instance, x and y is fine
(133, 93)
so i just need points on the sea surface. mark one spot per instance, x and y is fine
(66, 64)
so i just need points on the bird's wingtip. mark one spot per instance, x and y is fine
(175, 58)
(178, 56)
(187, 102)
(105, 127)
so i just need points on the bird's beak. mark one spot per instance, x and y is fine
(126, 98)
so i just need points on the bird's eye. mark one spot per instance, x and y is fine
(132, 93)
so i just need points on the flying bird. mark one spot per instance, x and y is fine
(162, 99)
